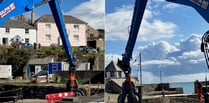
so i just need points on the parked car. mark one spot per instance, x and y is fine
(91, 50)
(87, 49)
(82, 49)
(27, 45)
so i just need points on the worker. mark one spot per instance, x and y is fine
(199, 90)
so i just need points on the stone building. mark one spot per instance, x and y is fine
(95, 38)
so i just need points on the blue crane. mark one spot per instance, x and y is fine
(128, 88)
(9, 8)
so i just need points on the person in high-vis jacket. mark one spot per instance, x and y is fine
(199, 90)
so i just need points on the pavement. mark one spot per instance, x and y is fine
(32, 101)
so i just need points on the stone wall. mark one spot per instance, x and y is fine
(112, 98)
(155, 89)
(83, 76)
(172, 100)
(28, 91)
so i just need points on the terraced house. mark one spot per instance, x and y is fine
(17, 31)
(47, 32)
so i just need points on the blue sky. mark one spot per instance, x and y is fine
(169, 40)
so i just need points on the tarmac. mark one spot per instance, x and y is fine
(32, 101)
(83, 99)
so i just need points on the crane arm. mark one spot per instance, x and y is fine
(9, 8)
(138, 12)
(201, 6)
(56, 11)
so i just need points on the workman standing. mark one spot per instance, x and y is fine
(199, 90)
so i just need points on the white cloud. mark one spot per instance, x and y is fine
(117, 24)
(160, 62)
(190, 44)
(171, 6)
(157, 50)
(185, 58)
(91, 12)
(111, 57)
(172, 60)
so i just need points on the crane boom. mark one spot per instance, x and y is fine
(138, 12)
(56, 11)
(9, 8)
(124, 64)
(201, 6)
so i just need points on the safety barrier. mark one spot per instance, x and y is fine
(55, 97)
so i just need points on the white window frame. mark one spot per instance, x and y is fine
(76, 27)
(48, 26)
(48, 37)
(76, 37)
(27, 31)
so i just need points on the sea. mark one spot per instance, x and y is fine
(188, 87)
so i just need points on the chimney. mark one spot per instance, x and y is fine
(32, 17)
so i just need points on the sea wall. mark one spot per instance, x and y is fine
(29, 91)
(186, 99)
(84, 76)
(112, 98)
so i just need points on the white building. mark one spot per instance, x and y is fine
(13, 30)
(113, 71)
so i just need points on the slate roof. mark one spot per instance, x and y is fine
(67, 19)
(17, 24)
(112, 67)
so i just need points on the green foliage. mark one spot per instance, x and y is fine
(18, 58)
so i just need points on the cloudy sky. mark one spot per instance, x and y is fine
(169, 40)
(169, 37)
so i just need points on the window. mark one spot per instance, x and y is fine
(76, 27)
(5, 41)
(91, 35)
(48, 37)
(76, 38)
(27, 40)
(48, 26)
(112, 74)
(7, 30)
(120, 74)
(26, 31)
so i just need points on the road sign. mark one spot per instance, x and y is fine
(54, 67)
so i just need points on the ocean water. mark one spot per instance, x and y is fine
(188, 87)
